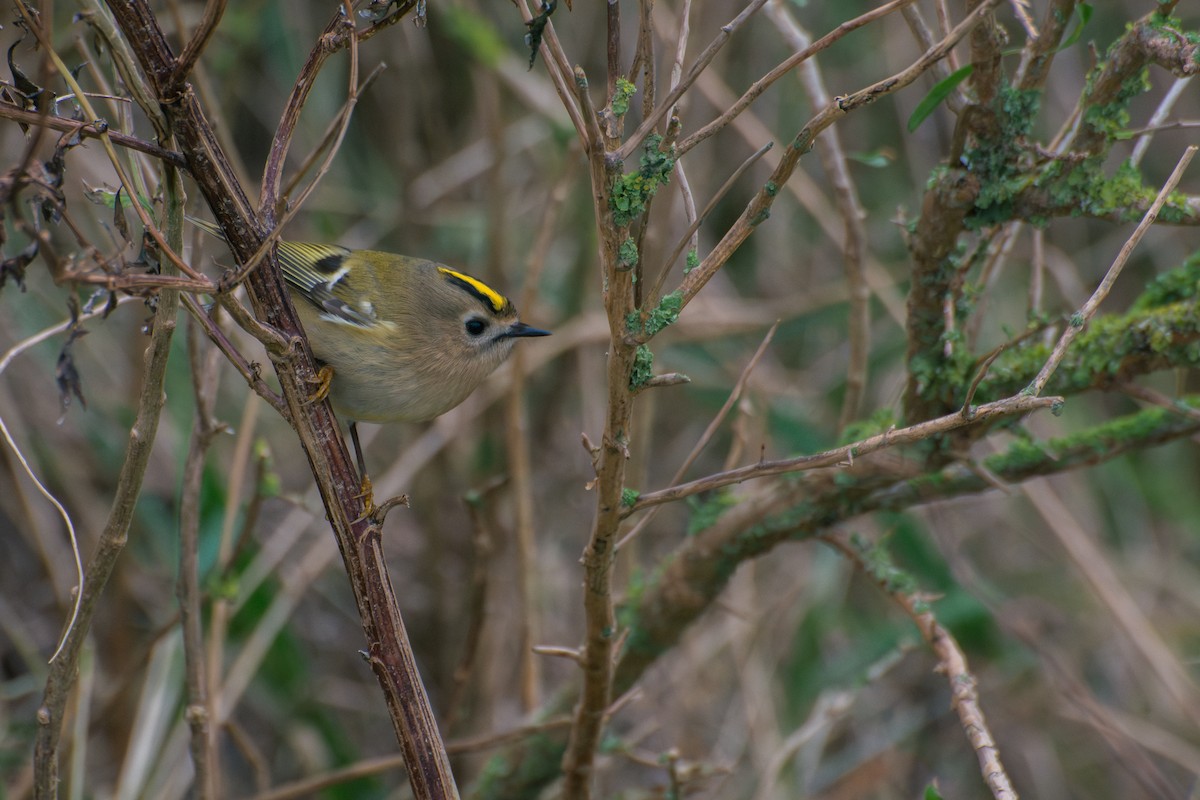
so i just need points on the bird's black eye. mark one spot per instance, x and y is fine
(475, 326)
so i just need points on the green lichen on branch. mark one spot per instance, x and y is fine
(877, 562)
(631, 191)
(1108, 119)
(1018, 181)
(1003, 159)
(643, 368)
(620, 101)
(627, 254)
(1082, 189)
(1029, 457)
(1177, 285)
(939, 378)
(662, 315)
(1112, 348)
(1160, 331)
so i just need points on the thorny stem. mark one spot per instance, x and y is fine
(359, 538)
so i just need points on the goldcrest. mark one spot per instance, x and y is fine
(407, 339)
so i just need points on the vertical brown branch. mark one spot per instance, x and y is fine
(338, 31)
(213, 10)
(596, 658)
(833, 161)
(199, 714)
(359, 538)
(1038, 54)
(114, 536)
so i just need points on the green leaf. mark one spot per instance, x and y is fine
(103, 196)
(937, 94)
(475, 34)
(1084, 10)
(877, 159)
(932, 792)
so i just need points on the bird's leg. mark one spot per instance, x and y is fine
(366, 491)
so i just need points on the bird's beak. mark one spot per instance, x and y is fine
(520, 329)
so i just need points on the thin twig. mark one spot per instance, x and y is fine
(482, 549)
(111, 543)
(329, 144)
(220, 608)
(854, 245)
(1155, 123)
(213, 10)
(249, 371)
(1148, 395)
(106, 140)
(1123, 610)
(338, 30)
(331, 139)
(689, 235)
(91, 130)
(952, 664)
(561, 75)
(702, 61)
(204, 429)
(520, 458)
(377, 766)
(763, 83)
(980, 374)
(758, 209)
(921, 32)
(734, 395)
(1081, 317)
(1012, 406)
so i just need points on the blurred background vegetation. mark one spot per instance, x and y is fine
(802, 679)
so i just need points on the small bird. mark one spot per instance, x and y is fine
(400, 339)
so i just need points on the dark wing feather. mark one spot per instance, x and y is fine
(323, 274)
(330, 277)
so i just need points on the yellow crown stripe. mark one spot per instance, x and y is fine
(497, 300)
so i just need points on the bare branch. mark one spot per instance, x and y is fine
(213, 10)
(952, 663)
(702, 61)
(759, 207)
(92, 130)
(784, 68)
(1012, 406)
